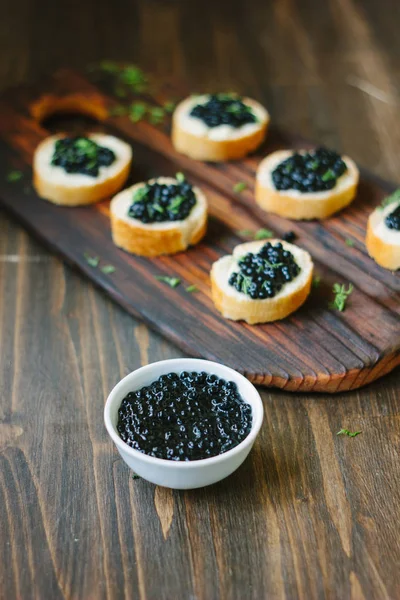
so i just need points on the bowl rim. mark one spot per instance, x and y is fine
(113, 397)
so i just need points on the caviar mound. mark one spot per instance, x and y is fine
(237, 305)
(218, 136)
(81, 155)
(263, 274)
(382, 241)
(185, 417)
(80, 171)
(392, 220)
(314, 171)
(224, 109)
(158, 202)
(159, 236)
(305, 194)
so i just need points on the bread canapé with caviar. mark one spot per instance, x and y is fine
(79, 170)
(261, 282)
(218, 127)
(383, 233)
(306, 184)
(160, 216)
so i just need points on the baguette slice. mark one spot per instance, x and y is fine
(154, 239)
(297, 205)
(192, 137)
(383, 244)
(238, 306)
(76, 189)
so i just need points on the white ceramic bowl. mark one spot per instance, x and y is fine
(182, 475)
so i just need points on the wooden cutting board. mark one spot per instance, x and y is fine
(316, 349)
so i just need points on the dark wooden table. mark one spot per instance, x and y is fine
(310, 514)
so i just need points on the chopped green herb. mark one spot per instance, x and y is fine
(341, 296)
(389, 199)
(240, 186)
(316, 281)
(192, 288)
(133, 77)
(180, 177)
(171, 281)
(137, 111)
(263, 234)
(246, 282)
(109, 66)
(328, 175)
(348, 433)
(140, 193)
(14, 176)
(118, 110)
(175, 204)
(156, 115)
(349, 242)
(169, 107)
(314, 165)
(93, 261)
(108, 269)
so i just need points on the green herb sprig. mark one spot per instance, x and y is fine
(260, 234)
(239, 187)
(316, 281)
(14, 176)
(348, 433)
(171, 281)
(395, 197)
(192, 288)
(94, 262)
(341, 296)
(349, 242)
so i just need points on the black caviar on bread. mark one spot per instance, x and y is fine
(306, 184)
(383, 233)
(218, 127)
(261, 282)
(79, 170)
(161, 216)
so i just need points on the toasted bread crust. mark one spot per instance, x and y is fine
(150, 242)
(254, 313)
(79, 196)
(244, 308)
(202, 148)
(386, 255)
(302, 207)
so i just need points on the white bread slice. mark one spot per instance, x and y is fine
(297, 205)
(194, 138)
(383, 244)
(75, 189)
(238, 306)
(154, 239)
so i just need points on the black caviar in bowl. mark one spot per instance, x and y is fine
(314, 171)
(81, 155)
(183, 417)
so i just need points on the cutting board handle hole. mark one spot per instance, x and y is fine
(74, 113)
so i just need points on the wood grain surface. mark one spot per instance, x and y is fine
(310, 514)
(316, 349)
